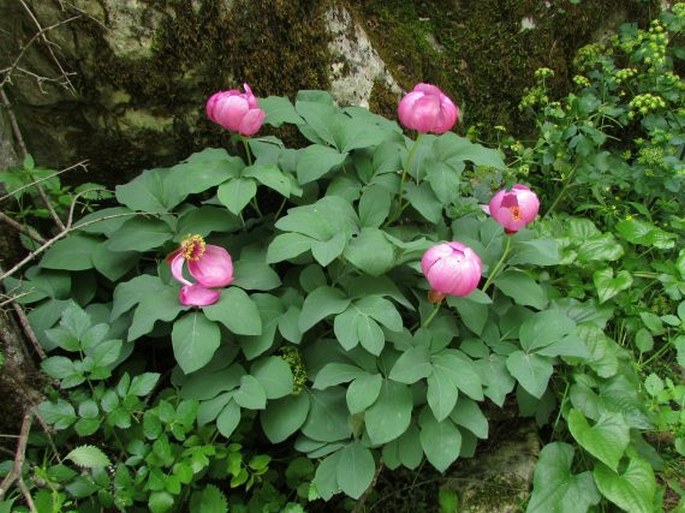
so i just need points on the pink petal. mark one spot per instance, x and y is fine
(197, 295)
(214, 268)
(177, 268)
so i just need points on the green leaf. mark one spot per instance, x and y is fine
(204, 170)
(236, 310)
(152, 191)
(459, 369)
(317, 160)
(274, 374)
(207, 219)
(321, 303)
(323, 220)
(271, 176)
(209, 500)
(325, 479)
(603, 246)
(390, 415)
(423, 199)
(467, 414)
(374, 206)
(474, 315)
(228, 419)
(140, 234)
(445, 181)
(60, 414)
(634, 490)
(543, 329)
(284, 416)
(160, 502)
(535, 252)
(130, 293)
(88, 456)
(162, 305)
(355, 470)
(195, 339)
(532, 371)
(607, 286)
(641, 232)
(370, 335)
(363, 392)
(442, 395)
(327, 420)
(522, 289)
(286, 246)
(606, 440)
(450, 148)
(335, 373)
(279, 110)
(142, 384)
(73, 253)
(251, 394)
(113, 264)
(255, 275)
(324, 252)
(371, 252)
(441, 441)
(555, 488)
(380, 309)
(412, 365)
(236, 193)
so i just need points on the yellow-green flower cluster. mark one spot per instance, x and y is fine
(542, 73)
(654, 42)
(645, 103)
(624, 74)
(581, 81)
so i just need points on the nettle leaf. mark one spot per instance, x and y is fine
(532, 371)
(88, 456)
(236, 193)
(142, 384)
(321, 303)
(60, 414)
(355, 470)
(609, 286)
(237, 311)
(195, 339)
(285, 416)
(209, 500)
(73, 253)
(441, 441)
(606, 440)
(390, 415)
(634, 490)
(555, 488)
(317, 160)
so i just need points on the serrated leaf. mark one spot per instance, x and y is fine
(88, 456)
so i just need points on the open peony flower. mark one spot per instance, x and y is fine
(452, 269)
(236, 111)
(210, 265)
(427, 109)
(514, 209)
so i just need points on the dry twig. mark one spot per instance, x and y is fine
(15, 474)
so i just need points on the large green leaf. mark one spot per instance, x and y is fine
(73, 253)
(543, 329)
(412, 365)
(270, 310)
(371, 252)
(356, 469)
(140, 234)
(452, 148)
(279, 110)
(390, 415)
(441, 441)
(423, 199)
(522, 289)
(271, 176)
(467, 414)
(335, 373)
(317, 160)
(162, 305)
(236, 310)
(607, 285)
(555, 488)
(363, 392)
(327, 419)
(374, 206)
(194, 339)
(441, 394)
(286, 246)
(606, 440)
(633, 490)
(642, 232)
(236, 193)
(473, 314)
(535, 252)
(250, 394)
(603, 246)
(461, 370)
(532, 371)
(275, 375)
(321, 303)
(153, 191)
(284, 416)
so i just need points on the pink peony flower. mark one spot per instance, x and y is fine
(236, 111)
(514, 209)
(210, 265)
(428, 109)
(452, 269)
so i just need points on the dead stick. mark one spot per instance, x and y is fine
(18, 457)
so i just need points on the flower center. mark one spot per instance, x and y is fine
(515, 213)
(193, 247)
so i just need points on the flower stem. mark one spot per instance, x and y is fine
(407, 164)
(248, 153)
(498, 265)
(432, 315)
(567, 185)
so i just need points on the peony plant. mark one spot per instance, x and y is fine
(316, 328)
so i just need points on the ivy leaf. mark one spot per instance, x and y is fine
(88, 456)
(633, 490)
(555, 488)
(606, 440)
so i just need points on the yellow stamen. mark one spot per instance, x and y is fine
(193, 247)
(516, 213)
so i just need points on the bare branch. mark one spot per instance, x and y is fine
(83, 164)
(28, 331)
(19, 456)
(15, 126)
(26, 230)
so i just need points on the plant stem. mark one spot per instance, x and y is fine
(498, 265)
(432, 315)
(248, 153)
(405, 170)
(566, 186)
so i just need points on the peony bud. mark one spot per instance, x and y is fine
(428, 109)
(452, 269)
(236, 111)
(514, 209)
